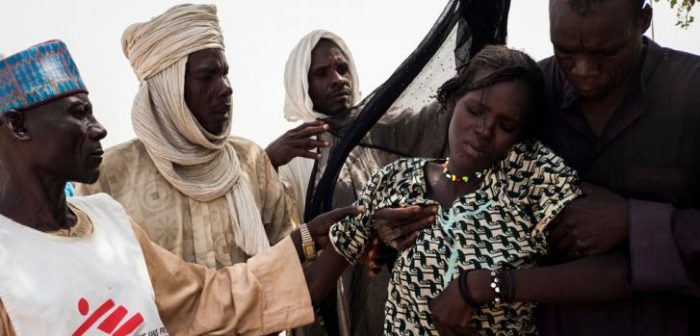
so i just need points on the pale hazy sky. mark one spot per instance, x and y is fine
(259, 36)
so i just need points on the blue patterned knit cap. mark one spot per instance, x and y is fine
(38, 75)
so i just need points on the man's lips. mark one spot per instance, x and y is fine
(222, 109)
(97, 153)
(341, 93)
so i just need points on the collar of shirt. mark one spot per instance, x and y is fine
(629, 110)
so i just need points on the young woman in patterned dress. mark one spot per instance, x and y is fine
(495, 195)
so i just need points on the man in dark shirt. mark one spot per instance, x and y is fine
(625, 113)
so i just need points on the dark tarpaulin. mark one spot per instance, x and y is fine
(463, 29)
(479, 23)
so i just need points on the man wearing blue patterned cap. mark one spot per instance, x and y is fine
(82, 267)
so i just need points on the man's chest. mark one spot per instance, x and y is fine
(653, 156)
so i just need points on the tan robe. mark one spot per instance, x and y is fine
(130, 177)
(264, 295)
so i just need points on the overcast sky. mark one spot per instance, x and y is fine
(259, 36)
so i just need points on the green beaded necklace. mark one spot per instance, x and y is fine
(455, 178)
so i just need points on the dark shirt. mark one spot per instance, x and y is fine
(649, 152)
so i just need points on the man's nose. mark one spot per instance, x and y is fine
(584, 67)
(96, 131)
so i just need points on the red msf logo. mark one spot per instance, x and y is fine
(109, 324)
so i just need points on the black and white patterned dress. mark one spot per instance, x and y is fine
(501, 224)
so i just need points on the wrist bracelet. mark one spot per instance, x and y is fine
(503, 285)
(307, 243)
(464, 290)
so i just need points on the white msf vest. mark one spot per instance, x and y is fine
(96, 285)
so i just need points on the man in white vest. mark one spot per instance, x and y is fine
(82, 266)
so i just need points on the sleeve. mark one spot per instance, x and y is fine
(552, 185)
(295, 177)
(267, 294)
(350, 235)
(5, 324)
(664, 248)
(278, 208)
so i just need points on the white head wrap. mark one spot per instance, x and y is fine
(297, 103)
(199, 164)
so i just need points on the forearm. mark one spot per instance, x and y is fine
(597, 278)
(265, 294)
(296, 238)
(322, 274)
(591, 279)
(664, 248)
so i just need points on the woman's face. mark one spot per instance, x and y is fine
(487, 122)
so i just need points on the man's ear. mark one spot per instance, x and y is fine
(13, 122)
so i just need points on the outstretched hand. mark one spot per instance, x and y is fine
(297, 142)
(319, 226)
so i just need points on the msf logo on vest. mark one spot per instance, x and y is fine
(118, 321)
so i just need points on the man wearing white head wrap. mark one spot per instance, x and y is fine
(298, 105)
(321, 82)
(210, 198)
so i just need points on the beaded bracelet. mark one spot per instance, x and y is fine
(503, 285)
(464, 289)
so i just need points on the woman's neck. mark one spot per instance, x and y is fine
(444, 190)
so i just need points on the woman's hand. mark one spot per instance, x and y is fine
(399, 227)
(451, 313)
(376, 255)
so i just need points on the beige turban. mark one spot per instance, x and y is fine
(199, 164)
(157, 44)
(297, 103)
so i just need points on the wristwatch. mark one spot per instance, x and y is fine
(307, 243)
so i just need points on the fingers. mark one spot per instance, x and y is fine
(559, 230)
(588, 188)
(416, 226)
(400, 232)
(311, 131)
(307, 155)
(408, 241)
(308, 143)
(340, 213)
(395, 217)
(566, 245)
(308, 124)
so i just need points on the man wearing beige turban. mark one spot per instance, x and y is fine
(210, 198)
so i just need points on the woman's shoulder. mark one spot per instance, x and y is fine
(531, 154)
(403, 165)
(531, 162)
(398, 172)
